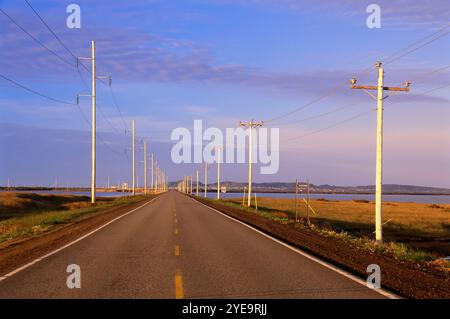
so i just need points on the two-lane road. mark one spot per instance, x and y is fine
(176, 247)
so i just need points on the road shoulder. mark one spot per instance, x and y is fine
(403, 278)
(20, 253)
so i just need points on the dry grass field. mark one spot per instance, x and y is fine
(27, 214)
(423, 226)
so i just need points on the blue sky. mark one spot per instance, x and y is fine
(224, 61)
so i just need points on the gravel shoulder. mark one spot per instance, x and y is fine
(20, 252)
(404, 278)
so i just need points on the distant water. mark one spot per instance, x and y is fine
(430, 199)
(61, 192)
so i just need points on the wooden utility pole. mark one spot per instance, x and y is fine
(196, 188)
(307, 202)
(380, 88)
(134, 156)
(152, 186)
(296, 200)
(156, 177)
(93, 127)
(218, 172)
(93, 96)
(250, 125)
(145, 167)
(206, 178)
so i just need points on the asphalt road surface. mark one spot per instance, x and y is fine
(175, 247)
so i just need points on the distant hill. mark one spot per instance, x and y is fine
(282, 187)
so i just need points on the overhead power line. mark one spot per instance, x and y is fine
(389, 59)
(35, 92)
(415, 45)
(420, 77)
(36, 39)
(51, 31)
(118, 108)
(366, 112)
(56, 101)
(76, 58)
(333, 125)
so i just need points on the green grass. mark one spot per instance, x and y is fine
(29, 222)
(399, 251)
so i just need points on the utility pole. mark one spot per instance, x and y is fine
(191, 178)
(196, 188)
(296, 200)
(93, 125)
(156, 176)
(93, 96)
(380, 88)
(134, 157)
(218, 172)
(206, 178)
(108, 182)
(145, 167)
(152, 187)
(307, 202)
(250, 125)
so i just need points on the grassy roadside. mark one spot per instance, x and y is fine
(271, 209)
(24, 215)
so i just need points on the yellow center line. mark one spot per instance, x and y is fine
(175, 221)
(177, 250)
(176, 231)
(179, 292)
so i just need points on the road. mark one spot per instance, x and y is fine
(175, 247)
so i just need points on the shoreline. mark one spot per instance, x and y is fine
(103, 190)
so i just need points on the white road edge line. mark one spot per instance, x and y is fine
(12, 273)
(381, 291)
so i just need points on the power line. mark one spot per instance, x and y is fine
(99, 137)
(422, 76)
(321, 114)
(36, 92)
(365, 112)
(333, 125)
(36, 40)
(54, 100)
(107, 120)
(416, 48)
(76, 58)
(118, 108)
(386, 59)
(51, 31)
(334, 90)
(427, 74)
(56, 36)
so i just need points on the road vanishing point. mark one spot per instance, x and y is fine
(176, 247)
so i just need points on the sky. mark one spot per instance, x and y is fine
(224, 61)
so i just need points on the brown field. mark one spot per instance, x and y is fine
(422, 226)
(27, 214)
